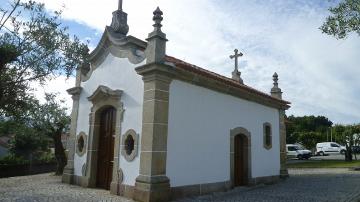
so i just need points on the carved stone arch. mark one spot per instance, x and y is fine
(103, 98)
(239, 131)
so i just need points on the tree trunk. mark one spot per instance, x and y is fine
(59, 153)
(348, 153)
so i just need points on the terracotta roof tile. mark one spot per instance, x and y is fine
(204, 72)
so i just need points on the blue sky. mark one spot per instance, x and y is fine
(317, 73)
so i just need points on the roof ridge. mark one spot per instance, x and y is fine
(222, 78)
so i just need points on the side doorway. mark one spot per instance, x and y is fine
(106, 148)
(241, 160)
(240, 157)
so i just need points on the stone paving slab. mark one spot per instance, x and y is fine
(304, 185)
(46, 187)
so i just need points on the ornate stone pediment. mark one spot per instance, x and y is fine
(104, 92)
(117, 45)
(115, 41)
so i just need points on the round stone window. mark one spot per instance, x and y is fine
(129, 145)
(81, 143)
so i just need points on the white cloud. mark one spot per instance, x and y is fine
(58, 85)
(318, 74)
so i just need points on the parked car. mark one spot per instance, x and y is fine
(294, 151)
(355, 149)
(326, 148)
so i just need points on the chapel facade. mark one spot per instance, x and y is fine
(151, 127)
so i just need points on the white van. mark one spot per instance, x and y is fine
(326, 148)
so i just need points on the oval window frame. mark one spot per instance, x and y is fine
(124, 152)
(81, 137)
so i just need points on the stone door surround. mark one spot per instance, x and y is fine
(102, 98)
(234, 132)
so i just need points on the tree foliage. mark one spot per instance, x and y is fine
(346, 136)
(344, 19)
(310, 139)
(25, 141)
(34, 46)
(41, 124)
(51, 119)
(307, 130)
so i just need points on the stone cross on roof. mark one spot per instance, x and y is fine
(119, 21)
(120, 5)
(236, 74)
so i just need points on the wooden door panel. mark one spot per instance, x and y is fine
(240, 161)
(106, 148)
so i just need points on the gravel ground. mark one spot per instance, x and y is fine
(303, 185)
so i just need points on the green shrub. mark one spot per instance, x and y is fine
(13, 160)
(46, 158)
(19, 160)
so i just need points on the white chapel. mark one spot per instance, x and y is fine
(151, 127)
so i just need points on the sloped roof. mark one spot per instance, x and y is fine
(212, 75)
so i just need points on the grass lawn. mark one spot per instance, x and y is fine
(325, 164)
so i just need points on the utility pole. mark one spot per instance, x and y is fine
(327, 135)
(331, 133)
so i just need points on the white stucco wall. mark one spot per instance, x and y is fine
(115, 73)
(198, 145)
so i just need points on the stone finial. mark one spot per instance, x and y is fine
(155, 52)
(276, 79)
(157, 19)
(119, 21)
(157, 26)
(236, 74)
(275, 90)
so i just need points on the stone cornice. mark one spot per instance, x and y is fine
(152, 70)
(103, 92)
(170, 71)
(205, 78)
(203, 81)
(74, 91)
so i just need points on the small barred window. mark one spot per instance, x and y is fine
(267, 136)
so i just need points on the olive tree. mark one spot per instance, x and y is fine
(34, 47)
(344, 19)
(52, 120)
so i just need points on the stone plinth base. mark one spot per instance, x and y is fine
(68, 176)
(284, 174)
(154, 189)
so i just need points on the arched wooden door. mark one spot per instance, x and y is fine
(241, 160)
(106, 148)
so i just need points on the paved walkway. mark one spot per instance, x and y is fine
(303, 185)
(45, 187)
